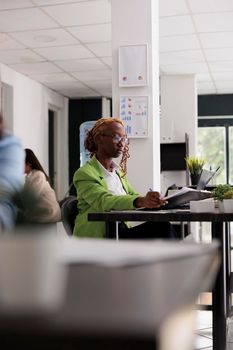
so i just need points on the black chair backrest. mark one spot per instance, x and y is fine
(69, 211)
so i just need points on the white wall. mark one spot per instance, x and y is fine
(31, 102)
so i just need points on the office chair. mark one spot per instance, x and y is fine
(69, 211)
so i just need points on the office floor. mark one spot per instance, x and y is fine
(204, 318)
(204, 331)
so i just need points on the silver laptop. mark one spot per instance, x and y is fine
(205, 178)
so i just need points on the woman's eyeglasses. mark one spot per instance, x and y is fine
(117, 138)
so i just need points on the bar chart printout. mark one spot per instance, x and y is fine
(134, 114)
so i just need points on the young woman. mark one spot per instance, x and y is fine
(46, 208)
(102, 185)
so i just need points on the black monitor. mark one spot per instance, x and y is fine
(173, 156)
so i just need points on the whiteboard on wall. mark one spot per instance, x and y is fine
(133, 65)
(134, 114)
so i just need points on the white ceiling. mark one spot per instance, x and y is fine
(66, 44)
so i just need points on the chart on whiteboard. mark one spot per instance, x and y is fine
(134, 114)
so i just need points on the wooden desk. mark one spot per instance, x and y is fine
(221, 292)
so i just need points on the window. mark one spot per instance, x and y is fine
(215, 144)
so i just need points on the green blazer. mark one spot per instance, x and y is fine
(93, 195)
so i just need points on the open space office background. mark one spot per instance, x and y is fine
(51, 61)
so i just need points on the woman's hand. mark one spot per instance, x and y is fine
(152, 199)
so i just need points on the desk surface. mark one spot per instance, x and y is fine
(126, 298)
(160, 215)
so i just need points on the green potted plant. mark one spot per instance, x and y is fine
(220, 191)
(195, 166)
(223, 193)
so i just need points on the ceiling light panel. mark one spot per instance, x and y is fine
(81, 13)
(228, 84)
(92, 33)
(7, 43)
(77, 93)
(172, 8)
(94, 75)
(199, 6)
(102, 84)
(101, 49)
(35, 68)
(14, 4)
(72, 85)
(223, 76)
(214, 22)
(19, 56)
(45, 38)
(53, 78)
(181, 57)
(176, 25)
(53, 2)
(107, 60)
(221, 66)
(64, 52)
(206, 88)
(222, 54)
(215, 40)
(206, 85)
(185, 68)
(88, 64)
(204, 77)
(177, 43)
(25, 19)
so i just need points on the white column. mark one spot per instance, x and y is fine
(135, 22)
(106, 107)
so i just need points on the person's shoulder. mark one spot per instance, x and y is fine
(83, 169)
(10, 139)
(90, 168)
(37, 175)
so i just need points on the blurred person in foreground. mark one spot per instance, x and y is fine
(11, 176)
(102, 185)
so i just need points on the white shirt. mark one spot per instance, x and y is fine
(112, 179)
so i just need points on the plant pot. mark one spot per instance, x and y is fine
(202, 206)
(195, 179)
(227, 205)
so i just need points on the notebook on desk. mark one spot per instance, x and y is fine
(181, 199)
(183, 196)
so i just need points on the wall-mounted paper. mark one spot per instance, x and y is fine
(134, 114)
(133, 65)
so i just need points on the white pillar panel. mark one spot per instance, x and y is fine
(179, 109)
(135, 22)
(178, 116)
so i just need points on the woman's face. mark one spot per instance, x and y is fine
(107, 146)
(28, 168)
